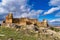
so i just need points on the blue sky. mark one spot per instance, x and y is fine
(43, 5)
(40, 9)
(40, 4)
(0, 0)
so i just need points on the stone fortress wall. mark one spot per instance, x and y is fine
(24, 21)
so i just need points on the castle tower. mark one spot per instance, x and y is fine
(45, 22)
(9, 18)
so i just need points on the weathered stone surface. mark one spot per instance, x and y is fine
(24, 21)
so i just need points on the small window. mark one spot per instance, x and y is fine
(35, 24)
(3, 21)
(28, 23)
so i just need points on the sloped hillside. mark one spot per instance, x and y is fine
(22, 34)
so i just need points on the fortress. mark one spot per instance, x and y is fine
(24, 21)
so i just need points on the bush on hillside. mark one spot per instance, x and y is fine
(55, 29)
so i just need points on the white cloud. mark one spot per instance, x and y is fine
(52, 10)
(55, 20)
(2, 10)
(54, 3)
(19, 8)
(32, 13)
(21, 2)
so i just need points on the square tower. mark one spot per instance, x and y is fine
(9, 18)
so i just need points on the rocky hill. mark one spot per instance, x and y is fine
(29, 33)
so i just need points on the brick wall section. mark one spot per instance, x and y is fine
(23, 21)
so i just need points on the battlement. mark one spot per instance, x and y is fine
(23, 21)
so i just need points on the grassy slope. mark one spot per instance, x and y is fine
(14, 34)
(21, 35)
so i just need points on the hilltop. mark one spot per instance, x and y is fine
(28, 34)
(27, 29)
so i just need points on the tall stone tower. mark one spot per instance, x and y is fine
(45, 22)
(9, 18)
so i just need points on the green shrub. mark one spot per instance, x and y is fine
(55, 29)
(20, 35)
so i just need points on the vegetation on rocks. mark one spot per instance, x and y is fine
(55, 29)
(11, 33)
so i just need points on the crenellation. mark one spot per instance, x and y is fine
(24, 21)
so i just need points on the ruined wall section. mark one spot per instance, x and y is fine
(45, 22)
(9, 18)
(24, 21)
